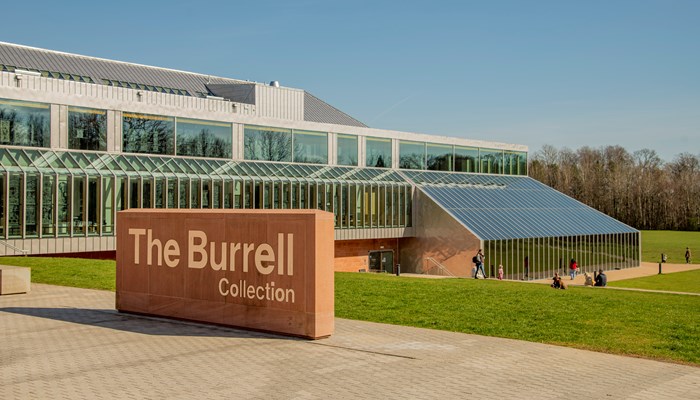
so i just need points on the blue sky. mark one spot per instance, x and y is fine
(565, 73)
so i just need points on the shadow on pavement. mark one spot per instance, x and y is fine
(147, 325)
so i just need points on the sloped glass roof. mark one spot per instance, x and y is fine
(139, 165)
(512, 207)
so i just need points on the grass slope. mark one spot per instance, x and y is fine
(642, 324)
(688, 281)
(672, 243)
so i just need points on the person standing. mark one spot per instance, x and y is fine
(687, 255)
(479, 261)
(527, 266)
(573, 268)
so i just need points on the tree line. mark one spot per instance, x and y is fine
(636, 188)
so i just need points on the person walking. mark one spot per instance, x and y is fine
(573, 268)
(479, 261)
(687, 255)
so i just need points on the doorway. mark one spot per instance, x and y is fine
(381, 261)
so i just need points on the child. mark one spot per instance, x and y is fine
(500, 272)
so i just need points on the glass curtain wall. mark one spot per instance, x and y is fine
(514, 163)
(439, 157)
(200, 138)
(540, 258)
(347, 150)
(491, 161)
(378, 152)
(267, 144)
(152, 134)
(467, 159)
(87, 129)
(90, 202)
(411, 155)
(310, 147)
(24, 123)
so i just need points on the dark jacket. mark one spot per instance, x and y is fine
(601, 279)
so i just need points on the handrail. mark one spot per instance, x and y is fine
(15, 248)
(440, 267)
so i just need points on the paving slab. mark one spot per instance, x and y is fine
(66, 343)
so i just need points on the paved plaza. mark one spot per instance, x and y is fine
(67, 343)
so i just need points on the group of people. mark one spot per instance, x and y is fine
(600, 279)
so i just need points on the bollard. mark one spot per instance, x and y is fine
(398, 269)
(659, 268)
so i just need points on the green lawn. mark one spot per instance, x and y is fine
(75, 272)
(688, 281)
(659, 326)
(672, 243)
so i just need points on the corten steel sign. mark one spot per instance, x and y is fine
(258, 269)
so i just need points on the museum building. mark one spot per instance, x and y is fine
(82, 138)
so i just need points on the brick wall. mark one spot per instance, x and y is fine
(352, 255)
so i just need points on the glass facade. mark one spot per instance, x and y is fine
(411, 155)
(152, 134)
(310, 147)
(267, 144)
(378, 152)
(204, 138)
(439, 157)
(78, 194)
(24, 123)
(87, 129)
(466, 159)
(491, 161)
(347, 150)
(514, 163)
(541, 257)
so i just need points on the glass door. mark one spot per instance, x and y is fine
(381, 261)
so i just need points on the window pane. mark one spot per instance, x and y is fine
(347, 150)
(466, 159)
(439, 157)
(267, 144)
(378, 152)
(24, 124)
(2, 206)
(93, 209)
(15, 215)
(78, 205)
(63, 212)
(491, 161)
(87, 129)
(151, 134)
(203, 138)
(107, 206)
(411, 155)
(311, 147)
(32, 206)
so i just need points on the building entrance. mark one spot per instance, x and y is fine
(381, 261)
